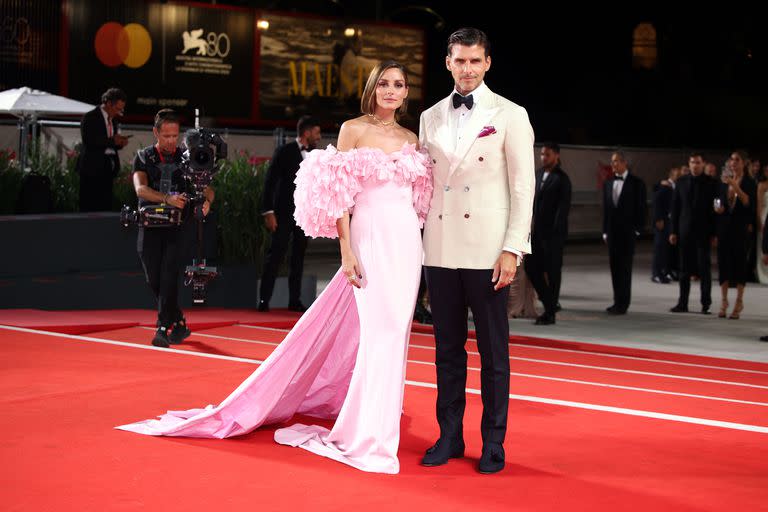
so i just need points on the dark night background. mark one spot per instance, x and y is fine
(572, 69)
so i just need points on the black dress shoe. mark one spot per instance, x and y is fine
(660, 279)
(422, 314)
(558, 307)
(161, 338)
(295, 306)
(705, 310)
(492, 459)
(679, 309)
(179, 332)
(763, 338)
(545, 319)
(616, 310)
(442, 451)
(263, 306)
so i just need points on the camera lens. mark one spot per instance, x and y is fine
(202, 157)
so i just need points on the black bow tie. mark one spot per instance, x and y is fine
(303, 148)
(459, 100)
(618, 177)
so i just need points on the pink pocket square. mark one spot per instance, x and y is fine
(486, 131)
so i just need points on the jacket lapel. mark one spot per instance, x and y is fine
(480, 118)
(439, 128)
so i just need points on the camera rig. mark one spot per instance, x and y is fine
(204, 150)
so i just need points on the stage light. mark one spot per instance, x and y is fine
(262, 24)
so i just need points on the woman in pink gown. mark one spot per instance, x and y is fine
(345, 358)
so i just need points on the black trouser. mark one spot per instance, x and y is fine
(451, 292)
(695, 259)
(159, 253)
(422, 288)
(621, 252)
(287, 233)
(544, 268)
(662, 252)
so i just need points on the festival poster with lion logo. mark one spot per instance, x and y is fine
(164, 55)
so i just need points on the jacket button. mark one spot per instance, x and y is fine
(466, 215)
(481, 159)
(440, 216)
(466, 189)
(434, 161)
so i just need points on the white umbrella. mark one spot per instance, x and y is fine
(28, 104)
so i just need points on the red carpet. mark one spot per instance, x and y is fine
(62, 396)
(81, 322)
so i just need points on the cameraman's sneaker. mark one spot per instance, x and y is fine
(161, 338)
(179, 332)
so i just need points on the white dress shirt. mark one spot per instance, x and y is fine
(302, 151)
(461, 116)
(618, 185)
(108, 123)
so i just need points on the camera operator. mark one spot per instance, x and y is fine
(158, 179)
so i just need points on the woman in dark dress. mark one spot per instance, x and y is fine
(735, 208)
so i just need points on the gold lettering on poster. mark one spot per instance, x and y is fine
(323, 77)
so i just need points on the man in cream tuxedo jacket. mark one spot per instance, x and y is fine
(476, 233)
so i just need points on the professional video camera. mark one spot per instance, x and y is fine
(204, 149)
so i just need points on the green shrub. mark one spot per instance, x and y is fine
(242, 237)
(239, 186)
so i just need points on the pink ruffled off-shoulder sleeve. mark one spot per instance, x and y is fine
(416, 167)
(326, 185)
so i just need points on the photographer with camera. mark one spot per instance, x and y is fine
(158, 179)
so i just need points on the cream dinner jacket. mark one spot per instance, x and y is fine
(483, 196)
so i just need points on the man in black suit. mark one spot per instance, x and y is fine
(99, 164)
(277, 207)
(624, 210)
(662, 206)
(551, 204)
(693, 231)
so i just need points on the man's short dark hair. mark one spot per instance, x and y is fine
(554, 146)
(166, 115)
(114, 95)
(694, 155)
(306, 123)
(469, 36)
